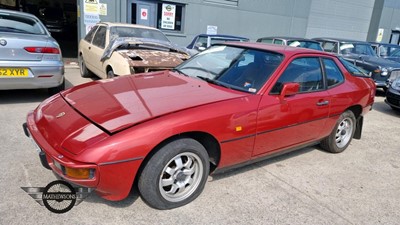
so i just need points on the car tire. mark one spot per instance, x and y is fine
(175, 175)
(55, 90)
(85, 72)
(342, 134)
(110, 74)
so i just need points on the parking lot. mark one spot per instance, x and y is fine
(309, 186)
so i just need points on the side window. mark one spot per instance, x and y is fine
(305, 71)
(200, 42)
(266, 40)
(100, 37)
(333, 74)
(278, 42)
(330, 46)
(361, 49)
(396, 53)
(89, 35)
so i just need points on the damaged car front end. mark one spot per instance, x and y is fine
(111, 49)
(145, 55)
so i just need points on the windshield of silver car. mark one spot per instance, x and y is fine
(232, 67)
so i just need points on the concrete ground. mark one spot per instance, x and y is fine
(309, 186)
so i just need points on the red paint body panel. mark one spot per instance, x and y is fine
(111, 126)
(129, 100)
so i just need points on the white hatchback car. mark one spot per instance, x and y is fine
(111, 49)
(29, 57)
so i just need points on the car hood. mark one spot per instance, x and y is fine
(375, 60)
(119, 103)
(140, 43)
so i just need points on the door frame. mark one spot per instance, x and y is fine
(152, 13)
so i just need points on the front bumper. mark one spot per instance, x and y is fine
(116, 177)
(393, 98)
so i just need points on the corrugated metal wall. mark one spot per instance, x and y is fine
(340, 18)
(258, 18)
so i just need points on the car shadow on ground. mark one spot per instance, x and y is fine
(23, 96)
(385, 108)
(263, 162)
(27, 95)
(380, 92)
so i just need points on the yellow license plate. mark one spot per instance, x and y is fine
(13, 72)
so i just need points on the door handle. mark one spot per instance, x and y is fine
(321, 103)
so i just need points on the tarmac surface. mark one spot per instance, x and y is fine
(308, 186)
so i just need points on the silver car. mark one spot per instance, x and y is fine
(29, 57)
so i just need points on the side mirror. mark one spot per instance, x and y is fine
(289, 89)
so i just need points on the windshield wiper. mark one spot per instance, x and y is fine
(179, 71)
(214, 82)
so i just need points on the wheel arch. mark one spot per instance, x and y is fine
(357, 110)
(209, 142)
(108, 68)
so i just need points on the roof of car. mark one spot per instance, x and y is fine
(220, 35)
(283, 49)
(17, 13)
(111, 24)
(385, 44)
(288, 38)
(340, 40)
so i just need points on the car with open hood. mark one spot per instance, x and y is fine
(362, 55)
(111, 49)
(166, 131)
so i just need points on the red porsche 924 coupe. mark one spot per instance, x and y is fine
(167, 131)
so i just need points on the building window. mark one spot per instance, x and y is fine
(133, 10)
(170, 16)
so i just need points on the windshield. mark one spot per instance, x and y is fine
(356, 48)
(232, 67)
(116, 32)
(386, 50)
(305, 44)
(357, 71)
(20, 24)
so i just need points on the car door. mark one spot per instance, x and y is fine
(293, 120)
(96, 50)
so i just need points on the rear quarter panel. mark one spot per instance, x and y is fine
(355, 91)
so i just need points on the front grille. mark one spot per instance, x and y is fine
(393, 98)
(390, 94)
(393, 101)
